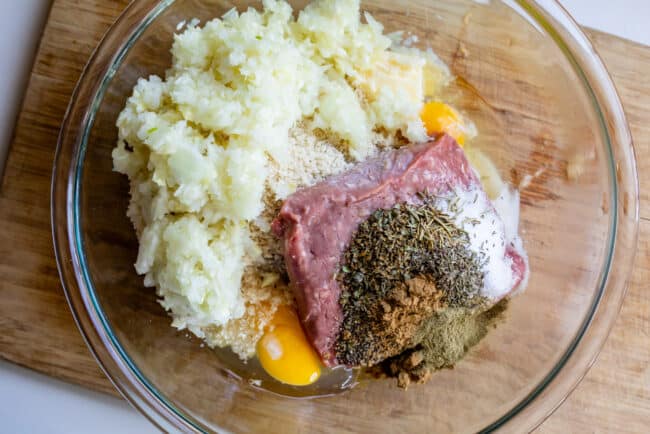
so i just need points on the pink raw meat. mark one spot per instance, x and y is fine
(318, 222)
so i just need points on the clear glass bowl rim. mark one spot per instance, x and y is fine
(133, 384)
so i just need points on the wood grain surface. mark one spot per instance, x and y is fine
(39, 332)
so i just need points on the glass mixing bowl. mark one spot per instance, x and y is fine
(547, 114)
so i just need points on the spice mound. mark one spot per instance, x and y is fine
(324, 228)
(402, 265)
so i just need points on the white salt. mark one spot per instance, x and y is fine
(487, 235)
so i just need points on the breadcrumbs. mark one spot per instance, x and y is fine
(311, 157)
(261, 299)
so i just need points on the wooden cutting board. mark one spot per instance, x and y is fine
(38, 330)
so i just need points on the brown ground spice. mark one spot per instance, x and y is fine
(388, 325)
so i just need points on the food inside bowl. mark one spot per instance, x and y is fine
(301, 195)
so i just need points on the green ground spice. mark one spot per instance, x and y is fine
(392, 249)
(444, 339)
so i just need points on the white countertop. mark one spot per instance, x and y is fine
(31, 402)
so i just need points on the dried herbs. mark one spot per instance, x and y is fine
(390, 249)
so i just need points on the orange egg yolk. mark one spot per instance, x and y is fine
(285, 353)
(440, 118)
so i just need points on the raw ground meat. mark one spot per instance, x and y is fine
(318, 222)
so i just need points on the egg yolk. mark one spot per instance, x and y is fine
(440, 118)
(285, 353)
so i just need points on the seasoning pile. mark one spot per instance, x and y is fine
(402, 265)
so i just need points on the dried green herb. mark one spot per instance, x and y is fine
(392, 247)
